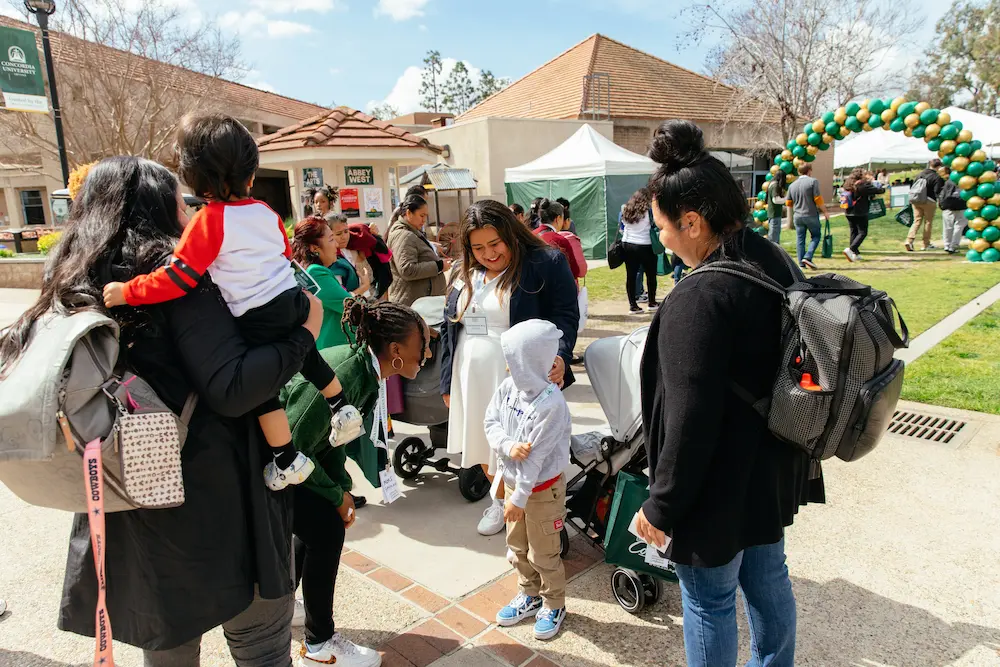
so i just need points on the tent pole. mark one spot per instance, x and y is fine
(437, 208)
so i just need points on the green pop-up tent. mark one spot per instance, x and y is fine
(596, 175)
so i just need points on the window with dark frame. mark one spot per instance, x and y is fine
(33, 207)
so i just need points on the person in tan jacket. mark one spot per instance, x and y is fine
(417, 268)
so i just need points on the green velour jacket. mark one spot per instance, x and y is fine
(309, 418)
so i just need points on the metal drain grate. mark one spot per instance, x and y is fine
(926, 427)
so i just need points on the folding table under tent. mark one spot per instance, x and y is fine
(596, 175)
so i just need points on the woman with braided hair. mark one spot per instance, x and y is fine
(390, 339)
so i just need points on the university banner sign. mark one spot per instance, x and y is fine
(21, 72)
(359, 176)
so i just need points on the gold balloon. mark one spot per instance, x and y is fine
(888, 116)
(943, 118)
(912, 120)
(863, 115)
(767, 225)
(827, 139)
(988, 177)
(967, 182)
(802, 139)
(775, 169)
(786, 155)
(964, 137)
(978, 156)
(864, 104)
(960, 163)
(790, 179)
(947, 148)
(867, 128)
(798, 162)
(980, 245)
(943, 172)
(979, 224)
(840, 115)
(976, 203)
(812, 150)
(844, 131)
(894, 105)
(995, 199)
(819, 126)
(996, 244)
(932, 131)
(758, 205)
(908, 131)
(922, 107)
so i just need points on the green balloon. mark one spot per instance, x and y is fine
(875, 120)
(963, 149)
(808, 127)
(974, 256)
(919, 131)
(760, 216)
(956, 176)
(897, 125)
(853, 124)
(976, 144)
(991, 255)
(991, 234)
(814, 139)
(768, 176)
(876, 106)
(799, 151)
(975, 168)
(809, 157)
(929, 116)
(828, 117)
(948, 159)
(958, 124)
(832, 129)
(934, 145)
(949, 132)
(791, 144)
(972, 234)
(906, 109)
(762, 196)
(986, 190)
(823, 147)
(990, 165)
(970, 215)
(787, 167)
(967, 194)
(853, 108)
(990, 212)
(778, 159)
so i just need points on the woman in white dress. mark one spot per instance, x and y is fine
(508, 275)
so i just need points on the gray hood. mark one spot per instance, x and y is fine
(529, 349)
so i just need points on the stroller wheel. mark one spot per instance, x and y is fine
(652, 588)
(628, 590)
(473, 483)
(563, 543)
(409, 458)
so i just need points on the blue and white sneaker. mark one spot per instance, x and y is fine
(548, 622)
(520, 608)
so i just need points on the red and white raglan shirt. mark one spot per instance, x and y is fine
(242, 245)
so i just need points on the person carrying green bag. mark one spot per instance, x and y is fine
(861, 190)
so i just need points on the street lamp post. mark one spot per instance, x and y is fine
(43, 9)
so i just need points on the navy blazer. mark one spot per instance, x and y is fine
(547, 292)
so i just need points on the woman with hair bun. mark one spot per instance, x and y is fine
(722, 487)
(551, 224)
(390, 340)
(417, 269)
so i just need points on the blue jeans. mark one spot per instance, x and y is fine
(709, 600)
(774, 230)
(678, 273)
(802, 223)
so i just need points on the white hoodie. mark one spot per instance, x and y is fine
(514, 416)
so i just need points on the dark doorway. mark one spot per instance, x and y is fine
(271, 187)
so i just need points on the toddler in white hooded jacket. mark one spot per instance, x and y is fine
(528, 425)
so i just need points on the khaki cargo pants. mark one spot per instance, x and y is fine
(923, 218)
(535, 543)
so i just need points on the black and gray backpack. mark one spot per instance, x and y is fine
(842, 335)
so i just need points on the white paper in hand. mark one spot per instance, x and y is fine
(651, 556)
(390, 488)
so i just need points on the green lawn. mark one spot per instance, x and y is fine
(963, 371)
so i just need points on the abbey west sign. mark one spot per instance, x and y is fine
(359, 176)
(21, 72)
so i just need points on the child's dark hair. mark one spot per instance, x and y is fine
(689, 179)
(217, 156)
(517, 209)
(377, 324)
(565, 205)
(548, 211)
(331, 192)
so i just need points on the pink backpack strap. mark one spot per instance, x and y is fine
(93, 474)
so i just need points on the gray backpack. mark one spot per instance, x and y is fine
(918, 191)
(69, 388)
(841, 334)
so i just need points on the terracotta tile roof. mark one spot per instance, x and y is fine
(69, 51)
(344, 127)
(642, 86)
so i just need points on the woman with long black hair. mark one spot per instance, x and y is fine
(722, 487)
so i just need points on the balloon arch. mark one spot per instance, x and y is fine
(971, 169)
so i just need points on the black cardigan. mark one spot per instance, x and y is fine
(174, 574)
(719, 481)
(547, 292)
(863, 194)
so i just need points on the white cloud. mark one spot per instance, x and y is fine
(254, 80)
(287, 29)
(405, 95)
(401, 10)
(288, 6)
(422, 27)
(256, 23)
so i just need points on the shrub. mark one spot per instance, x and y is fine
(46, 243)
(5, 252)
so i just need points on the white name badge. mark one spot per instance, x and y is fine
(475, 325)
(390, 489)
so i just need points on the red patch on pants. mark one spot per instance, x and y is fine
(558, 523)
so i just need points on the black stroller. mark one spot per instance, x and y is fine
(423, 406)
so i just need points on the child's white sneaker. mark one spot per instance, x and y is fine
(518, 609)
(346, 426)
(492, 521)
(548, 621)
(341, 652)
(296, 473)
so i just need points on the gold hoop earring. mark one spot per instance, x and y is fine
(394, 367)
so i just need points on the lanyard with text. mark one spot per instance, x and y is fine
(93, 473)
(380, 429)
(474, 321)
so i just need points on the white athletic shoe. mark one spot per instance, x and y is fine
(299, 614)
(849, 255)
(492, 521)
(299, 470)
(339, 651)
(346, 426)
